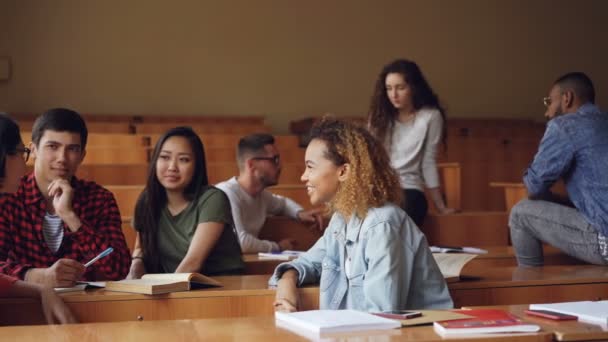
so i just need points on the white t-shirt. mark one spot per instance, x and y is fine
(249, 214)
(413, 151)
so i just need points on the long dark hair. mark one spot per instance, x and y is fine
(9, 140)
(153, 199)
(382, 113)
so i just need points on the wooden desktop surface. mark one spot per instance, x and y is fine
(232, 329)
(248, 296)
(562, 330)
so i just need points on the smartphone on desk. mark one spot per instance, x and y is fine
(557, 316)
(399, 314)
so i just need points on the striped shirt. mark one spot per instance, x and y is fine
(52, 229)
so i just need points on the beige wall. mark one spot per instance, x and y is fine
(288, 59)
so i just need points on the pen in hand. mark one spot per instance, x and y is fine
(101, 255)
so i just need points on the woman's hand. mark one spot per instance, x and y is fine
(287, 292)
(55, 310)
(446, 211)
(137, 269)
(283, 305)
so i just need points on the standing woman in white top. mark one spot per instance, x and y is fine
(405, 114)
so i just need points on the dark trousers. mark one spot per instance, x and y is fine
(415, 205)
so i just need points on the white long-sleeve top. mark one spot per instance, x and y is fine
(249, 214)
(413, 151)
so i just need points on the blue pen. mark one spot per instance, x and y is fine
(101, 255)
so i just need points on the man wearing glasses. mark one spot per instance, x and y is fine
(55, 222)
(574, 148)
(259, 165)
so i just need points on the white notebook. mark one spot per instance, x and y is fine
(595, 312)
(330, 321)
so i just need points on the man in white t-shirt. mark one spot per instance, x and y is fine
(259, 165)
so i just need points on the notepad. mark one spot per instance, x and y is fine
(283, 255)
(594, 312)
(81, 286)
(449, 249)
(163, 283)
(331, 321)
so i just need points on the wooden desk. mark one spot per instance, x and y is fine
(241, 296)
(232, 329)
(249, 296)
(513, 285)
(561, 330)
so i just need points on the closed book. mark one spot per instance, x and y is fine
(163, 283)
(483, 322)
(588, 311)
(331, 321)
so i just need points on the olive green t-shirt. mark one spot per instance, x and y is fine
(175, 234)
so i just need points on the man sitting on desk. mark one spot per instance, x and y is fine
(259, 167)
(55, 222)
(574, 148)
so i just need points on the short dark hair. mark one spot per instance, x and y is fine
(251, 145)
(60, 120)
(9, 140)
(579, 83)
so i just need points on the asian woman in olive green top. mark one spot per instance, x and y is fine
(183, 224)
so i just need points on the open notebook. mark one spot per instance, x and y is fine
(451, 264)
(163, 283)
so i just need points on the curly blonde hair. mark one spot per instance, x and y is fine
(372, 182)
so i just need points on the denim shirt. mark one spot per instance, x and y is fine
(575, 148)
(391, 265)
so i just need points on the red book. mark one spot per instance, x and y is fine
(483, 322)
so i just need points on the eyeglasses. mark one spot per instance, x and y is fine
(547, 101)
(26, 152)
(274, 159)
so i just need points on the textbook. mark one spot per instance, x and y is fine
(331, 321)
(588, 311)
(450, 249)
(451, 264)
(283, 255)
(483, 322)
(163, 283)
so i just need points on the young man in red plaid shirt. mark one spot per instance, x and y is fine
(55, 222)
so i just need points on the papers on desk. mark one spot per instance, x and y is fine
(588, 311)
(284, 255)
(81, 286)
(331, 321)
(451, 265)
(448, 249)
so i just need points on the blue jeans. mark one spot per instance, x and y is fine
(533, 222)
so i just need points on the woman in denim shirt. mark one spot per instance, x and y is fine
(372, 257)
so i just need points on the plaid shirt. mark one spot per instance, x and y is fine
(22, 244)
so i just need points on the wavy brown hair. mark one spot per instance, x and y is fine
(371, 181)
(382, 114)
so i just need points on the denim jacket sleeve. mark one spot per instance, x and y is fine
(399, 276)
(308, 264)
(553, 159)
